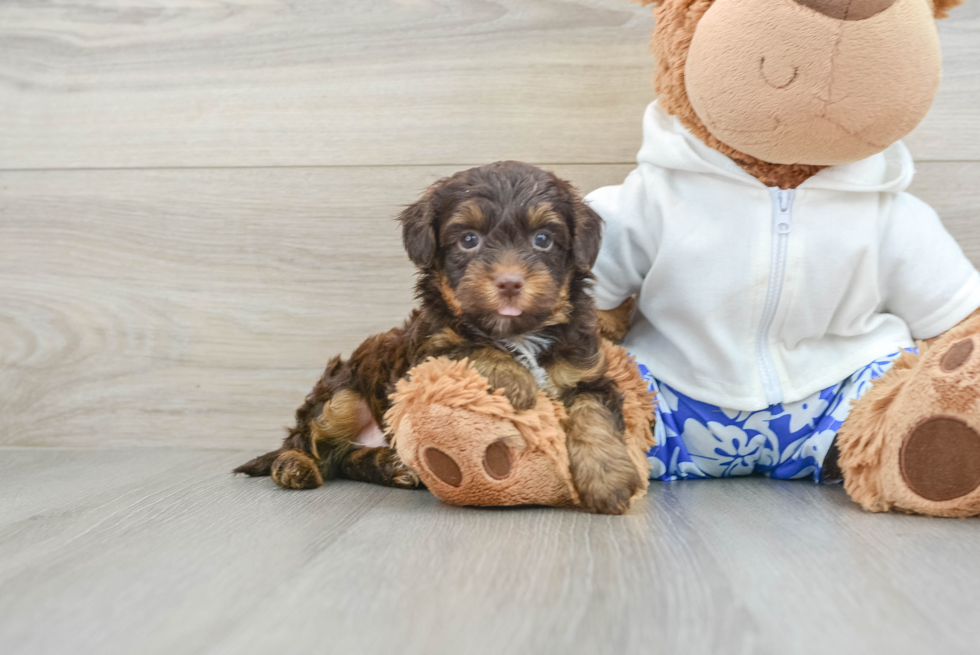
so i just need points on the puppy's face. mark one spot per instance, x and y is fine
(502, 244)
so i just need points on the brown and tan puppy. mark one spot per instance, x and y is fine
(504, 253)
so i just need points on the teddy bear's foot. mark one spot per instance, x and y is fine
(470, 447)
(940, 459)
(913, 442)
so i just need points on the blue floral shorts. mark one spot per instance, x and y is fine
(786, 441)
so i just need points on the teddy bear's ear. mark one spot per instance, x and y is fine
(941, 7)
(418, 227)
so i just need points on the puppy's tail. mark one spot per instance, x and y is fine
(260, 466)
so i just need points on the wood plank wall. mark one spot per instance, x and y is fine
(196, 198)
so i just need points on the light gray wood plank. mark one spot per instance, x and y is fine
(197, 308)
(360, 82)
(345, 82)
(951, 131)
(217, 564)
(954, 192)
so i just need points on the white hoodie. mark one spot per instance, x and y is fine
(750, 296)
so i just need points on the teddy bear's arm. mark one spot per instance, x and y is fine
(925, 344)
(924, 277)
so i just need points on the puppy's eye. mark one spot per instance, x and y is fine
(469, 241)
(542, 241)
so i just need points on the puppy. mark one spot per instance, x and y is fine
(504, 253)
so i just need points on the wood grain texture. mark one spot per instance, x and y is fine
(162, 551)
(359, 82)
(953, 190)
(198, 307)
(193, 307)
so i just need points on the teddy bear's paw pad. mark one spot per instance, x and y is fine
(443, 466)
(940, 459)
(498, 461)
(958, 355)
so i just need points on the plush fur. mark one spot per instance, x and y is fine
(874, 441)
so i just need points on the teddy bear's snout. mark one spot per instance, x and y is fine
(848, 9)
(443, 466)
(498, 463)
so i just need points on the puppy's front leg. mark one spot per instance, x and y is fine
(502, 371)
(602, 471)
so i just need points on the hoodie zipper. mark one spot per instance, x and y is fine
(782, 224)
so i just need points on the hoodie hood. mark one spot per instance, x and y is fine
(668, 144)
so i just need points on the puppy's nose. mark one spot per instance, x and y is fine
(509, 284)
(848, 9)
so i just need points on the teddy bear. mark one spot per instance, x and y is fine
(793, 310)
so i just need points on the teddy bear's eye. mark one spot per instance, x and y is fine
(542, 241)
(469, 241)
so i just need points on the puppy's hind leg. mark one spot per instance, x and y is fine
(380, 465)
(326, 433)
(289, 468)
(349, 444)
(260, 466)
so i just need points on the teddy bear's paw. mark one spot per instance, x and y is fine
(939, 458)
(497, 464)
(294, 469)
(914, 442)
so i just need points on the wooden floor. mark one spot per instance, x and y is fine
(196, 203)
(162, 551)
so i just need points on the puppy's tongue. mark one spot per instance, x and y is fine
(508, 310)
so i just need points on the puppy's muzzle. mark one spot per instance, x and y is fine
(509, 285)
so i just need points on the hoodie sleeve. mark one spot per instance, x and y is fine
(628, 240)
(926, 279)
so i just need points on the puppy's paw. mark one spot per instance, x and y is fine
(502, 371)
(519, 386)
(606, 489)
(402, 477)
(602, 471)
(294, 469)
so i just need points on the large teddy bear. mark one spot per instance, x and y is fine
(796, 312)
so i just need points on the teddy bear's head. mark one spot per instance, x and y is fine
(787, 87)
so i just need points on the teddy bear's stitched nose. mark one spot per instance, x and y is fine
(848, 9)
(443, 467)
(498, 461)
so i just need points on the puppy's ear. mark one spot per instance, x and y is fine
(586, 226)
(588, 235)
(419, 228)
